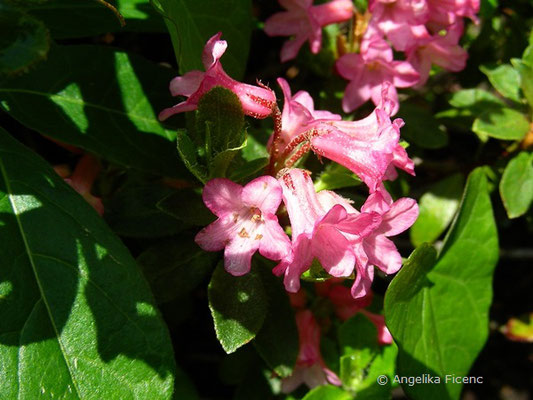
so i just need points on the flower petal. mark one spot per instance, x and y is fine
(382, 253)
(187, 84)
(275, 243)
(213, 50)
(238, 255)
(264, 193)
(222, 196)
(333, 250)
(402, 214)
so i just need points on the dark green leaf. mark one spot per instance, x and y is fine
(175, 267)
(83, 18)
(187, 205)
(78, 314)
(421, 127)
(335, 176)
(438, 337)
(189, 155)
(437, 208)
(280, 355)
(133, 212)
(238, 305)
(102, 100)
(505, 124)
(516, 186)
(24, 40)
(245, 171)
(191, 23)
(220, 116)
(505, 79)
(328, 392)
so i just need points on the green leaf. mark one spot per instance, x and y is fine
(220, 116)
(132, 211)
(187, 205)
(505, 124)
(421, 127)
(437, 208)
(78, 315)
(24, 40)
(526, 78)
(335, 176)
(363, 360)
(191, 23)
(245, 171)
(438, 337)
(327, 392)
(175, 267)
(280, 355)
(476, 101)
(74, 18)
(102, 100)
(516, 186)
(238, 305)
(189, 155)
(505, 79)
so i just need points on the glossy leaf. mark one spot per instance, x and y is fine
(505, 79)
(335, 176)
(175, 267)
(363, 360)
(327, 392)
(101, 100)
(24, 40)
(279, 353)
(438, 337)
(505, 124)
(191, 23)
(188, 152)
(437, 208)
(526, 78)
(238, 306)
(516, 185)
(75, 18)
(421, 127)
(475, 101)
(78, 314)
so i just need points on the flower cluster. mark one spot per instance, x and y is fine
(324, 226)
(427, 31)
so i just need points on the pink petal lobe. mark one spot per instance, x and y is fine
(402, 214)
(215, 236)
(264, 193)
(238, 255)
(222, 196)
(275, 243)
(333, 251)
(187, 84)
(383, 254)
(213, 50)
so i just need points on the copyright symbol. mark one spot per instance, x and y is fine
(382, 380)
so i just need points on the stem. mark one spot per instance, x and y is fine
(114, 10)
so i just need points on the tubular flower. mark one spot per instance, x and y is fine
(305, 21)
(82, 179)
(299, 114)
(369, 70)
(310, 367)
(368, 147)
(256, 101)
(246, 222)
(443, 51)
(321, 227)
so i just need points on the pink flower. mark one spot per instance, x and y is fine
(369, 70)
(298, 114)
(82, 179)
(369, 147)
(305, 21)
(246, 222)
(320, 227)
(310, 367)
(402, 21)
(256, 101)
(443, 13)
(443, 51)
(380, 251)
